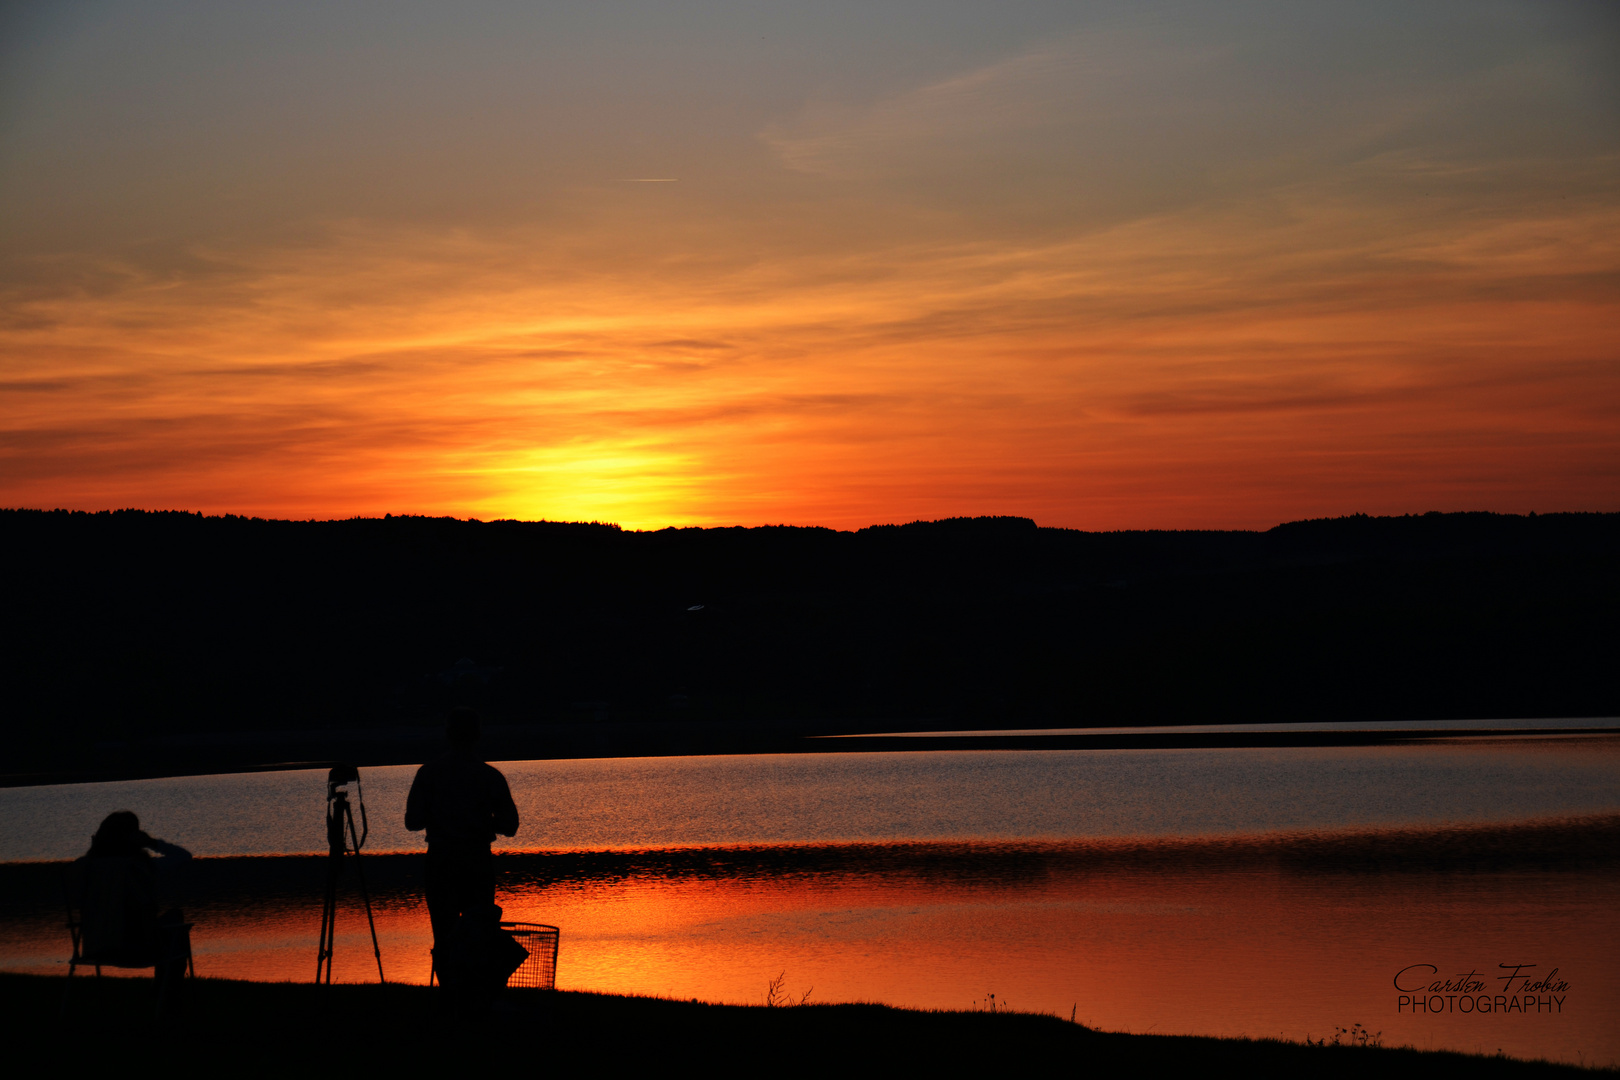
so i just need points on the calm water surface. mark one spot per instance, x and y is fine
(1233, 891)
(823, 798)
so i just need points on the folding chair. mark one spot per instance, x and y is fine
(171, 950)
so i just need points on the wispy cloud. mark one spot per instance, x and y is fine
(1134, 275)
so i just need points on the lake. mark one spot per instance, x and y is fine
(1251, 891)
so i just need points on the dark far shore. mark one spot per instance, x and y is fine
(163, 643)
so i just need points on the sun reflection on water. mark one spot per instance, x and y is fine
(1254, 936)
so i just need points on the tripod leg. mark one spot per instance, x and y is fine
(323, 961)
(361, 874)
(326, 922)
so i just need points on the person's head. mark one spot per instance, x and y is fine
(462, 728)
(120, 835)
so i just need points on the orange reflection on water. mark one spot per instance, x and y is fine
(279, 944)
(1257, 937)
(1252, 952)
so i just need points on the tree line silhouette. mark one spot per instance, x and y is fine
(129, 626)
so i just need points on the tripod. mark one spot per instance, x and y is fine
(342, 839)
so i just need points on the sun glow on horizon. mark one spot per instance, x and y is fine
(1031, 280)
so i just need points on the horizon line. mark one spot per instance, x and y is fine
(388, 515)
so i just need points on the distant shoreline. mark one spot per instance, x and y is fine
(1576, 841)
(145, 645)
(246, 752)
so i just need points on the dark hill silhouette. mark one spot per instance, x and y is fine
(129, 628)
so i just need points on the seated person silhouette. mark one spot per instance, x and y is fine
(462, 803)
(119, 901)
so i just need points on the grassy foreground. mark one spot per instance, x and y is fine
(235, 1028)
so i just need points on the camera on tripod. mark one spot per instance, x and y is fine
(339, 815)
(343, 839)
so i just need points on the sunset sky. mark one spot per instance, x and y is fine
(1212, 265)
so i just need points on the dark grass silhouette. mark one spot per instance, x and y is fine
(239, 1028)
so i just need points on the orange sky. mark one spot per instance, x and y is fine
(1107, 268)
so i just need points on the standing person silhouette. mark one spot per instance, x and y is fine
(462, 803)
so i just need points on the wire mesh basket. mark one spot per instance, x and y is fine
(540, 969)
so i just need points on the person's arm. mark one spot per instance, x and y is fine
(505, 817)
(168, 850)
(416, 803)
